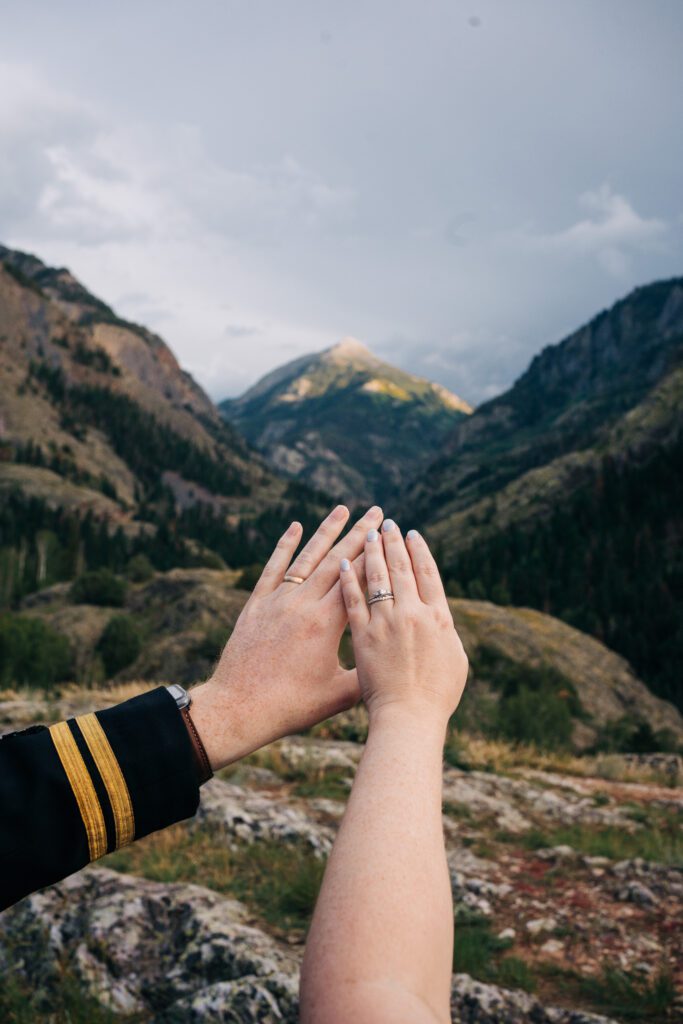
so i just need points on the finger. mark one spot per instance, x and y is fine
(354, 598)
(320, 543)
(403, 585)
(376, 569)
(276, 566)
(426, 570)
(332, 607)
(327, 573)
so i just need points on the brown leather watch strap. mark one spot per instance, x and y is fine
(203, 766)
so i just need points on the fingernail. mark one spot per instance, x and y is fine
(375, 511)
(293, 527)
(345, 565)
(339, 512)
(412, 534)
(372, 535)
(388, 524)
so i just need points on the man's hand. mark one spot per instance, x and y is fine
(280, 672)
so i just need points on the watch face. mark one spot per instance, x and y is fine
(180, 696)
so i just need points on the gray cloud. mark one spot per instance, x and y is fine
(457, 187)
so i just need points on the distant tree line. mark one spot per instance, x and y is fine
(41, 545)
(608, 560)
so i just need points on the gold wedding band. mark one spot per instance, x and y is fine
(293, 579)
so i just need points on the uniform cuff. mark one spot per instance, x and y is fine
(151, 744)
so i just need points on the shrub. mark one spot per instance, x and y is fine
(119, 644)
(627, 735)
(100, 587)
(249, 576)
(536, 716)
(139, 569)
(211, 644)
(32, 653)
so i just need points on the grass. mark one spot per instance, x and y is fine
(307, 777)
(627, 998)
(61, 1001)
(471, 752)
(279, 882)
(615, 993)
(481, 954)
(663, 844)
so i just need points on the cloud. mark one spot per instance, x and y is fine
(611, 231)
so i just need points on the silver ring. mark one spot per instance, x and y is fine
(381, 595)
(293, 579)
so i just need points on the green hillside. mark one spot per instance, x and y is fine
(564, 493)
(109, 450)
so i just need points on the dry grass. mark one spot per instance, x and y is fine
(501, 757)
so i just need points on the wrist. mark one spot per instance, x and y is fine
(417, 719)
(227, 728)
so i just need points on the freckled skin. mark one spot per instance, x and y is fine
(279, 672)
(380, 946)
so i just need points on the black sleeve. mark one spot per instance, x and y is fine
(73, 792)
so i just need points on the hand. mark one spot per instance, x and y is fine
(280, 671)
(408, 654)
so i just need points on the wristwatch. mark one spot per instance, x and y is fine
(183, 700)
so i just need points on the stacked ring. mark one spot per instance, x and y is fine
(381, 595)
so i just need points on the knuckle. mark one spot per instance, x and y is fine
(428, 569)
(305, 559)
(401, 565)
(376, 576)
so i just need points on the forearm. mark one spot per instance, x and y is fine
(382, 933)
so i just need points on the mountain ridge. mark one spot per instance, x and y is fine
(102, 430)
(564, 493)
(328, 418)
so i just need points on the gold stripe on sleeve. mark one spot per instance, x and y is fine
(112, 776)
(83, 789)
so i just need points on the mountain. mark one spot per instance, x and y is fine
(566, 492)
(346, 422)
(108, 448)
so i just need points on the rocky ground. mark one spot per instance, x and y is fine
(568, 891)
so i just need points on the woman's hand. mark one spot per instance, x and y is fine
(380, 947)
(280, 672)
(408, 654)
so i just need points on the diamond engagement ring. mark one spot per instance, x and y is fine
(381, 595)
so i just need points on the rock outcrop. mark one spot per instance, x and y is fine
(181, 954)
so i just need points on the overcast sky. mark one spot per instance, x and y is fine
(455, 183)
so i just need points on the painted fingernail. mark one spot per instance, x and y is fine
(412, 534)
(372, 535)
(388, 524)
(345, 565)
